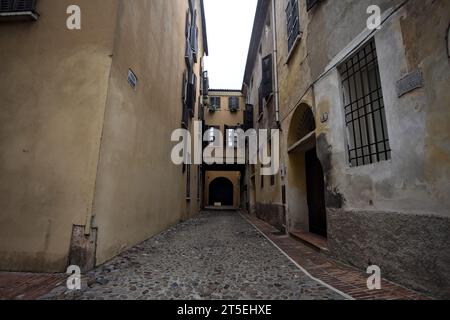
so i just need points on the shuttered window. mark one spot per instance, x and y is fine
(233, 103)
(260, 101)
(232, 136)
(214, 102)
(191, 93)
(192, 34)
(17, 5)
(248, 117)
(205, 84)
(267, 75)
(184, 94)
(293, 22)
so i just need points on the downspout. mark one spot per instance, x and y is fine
(275, 66)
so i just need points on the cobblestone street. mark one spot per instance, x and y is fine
(217, 255)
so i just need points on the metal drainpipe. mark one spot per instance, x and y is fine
(275, 66)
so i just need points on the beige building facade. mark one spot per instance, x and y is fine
(224, 111)
(85, 124)
(364, 140)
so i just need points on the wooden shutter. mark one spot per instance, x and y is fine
(184, 87)
(192, 94)
(205, 84)
(293, 22)
(17, 5)
(188, 24)
(248, 117)
(260, 101)
(193, 40)
(233, 103)
(267, 73)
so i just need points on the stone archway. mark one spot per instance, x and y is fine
(306, 184)
(221, 190)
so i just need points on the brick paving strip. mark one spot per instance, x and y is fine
(346, 279)
(28, 286)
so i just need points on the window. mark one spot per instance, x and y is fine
(211, 136)
(248, 117)
(17, 5)
(260, 102)
(205, 84)
(184, 99)
(214, 103)
(365, 117)
(293, 22)
(232, 136)
(233, 103)
(191, 34)
(19, 8)
(267, 73)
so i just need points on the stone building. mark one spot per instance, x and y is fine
(364, 116)
(224, 111)
(86, 117)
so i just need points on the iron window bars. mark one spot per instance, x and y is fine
(365, 117)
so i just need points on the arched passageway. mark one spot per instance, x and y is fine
(307, 206)
(221, 191)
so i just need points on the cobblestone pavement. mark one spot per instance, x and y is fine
(217, 255)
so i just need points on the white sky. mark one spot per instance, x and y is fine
(229, 26)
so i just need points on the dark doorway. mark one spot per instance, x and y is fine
(316, 194)
(221, 191)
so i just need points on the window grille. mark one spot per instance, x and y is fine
(365, 117)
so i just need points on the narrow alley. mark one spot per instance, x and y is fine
(217, 255)
(224, 150)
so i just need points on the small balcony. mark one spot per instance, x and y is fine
(18, 10)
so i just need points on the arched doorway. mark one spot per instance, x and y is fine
(306, 175)
(221, 190)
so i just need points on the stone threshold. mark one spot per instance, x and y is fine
(312, 240)
(344, 278)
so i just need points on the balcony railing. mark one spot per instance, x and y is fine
(18, 9)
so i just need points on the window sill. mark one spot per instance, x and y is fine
(294, 47)
(19, 15)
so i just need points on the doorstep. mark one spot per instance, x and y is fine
(315, 241)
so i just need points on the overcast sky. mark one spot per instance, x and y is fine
(229, 27)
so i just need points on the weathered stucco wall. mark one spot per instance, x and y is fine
(393, 213)
(265, 196)
(54, 86)
(140, 192)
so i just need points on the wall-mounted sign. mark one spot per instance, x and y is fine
(410, 82)
(132, 79)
